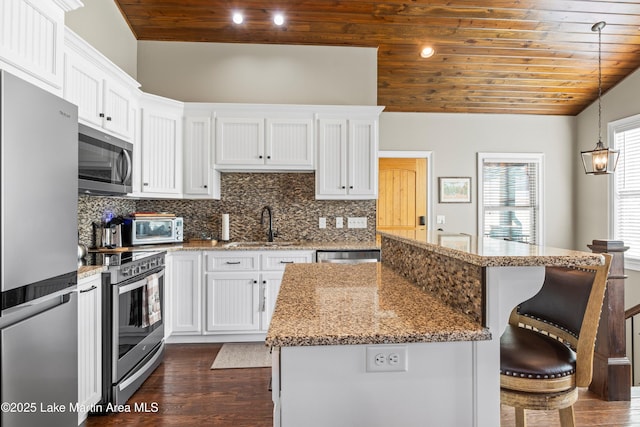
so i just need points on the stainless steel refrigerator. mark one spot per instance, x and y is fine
(38, 217)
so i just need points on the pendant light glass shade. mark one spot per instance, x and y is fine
(600, 160)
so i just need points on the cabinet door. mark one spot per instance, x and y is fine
(118, 111)
(270, 287)
(331, 173)
(186, 293)
(239, 141)
(83, 86)
(363, 158)
(289, 143)
(200, 179)
(89, 343)
(161, 152)
(233, 302)
(31, 40)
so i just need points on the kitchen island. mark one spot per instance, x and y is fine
(412, 341)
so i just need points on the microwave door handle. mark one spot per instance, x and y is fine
(129, 166)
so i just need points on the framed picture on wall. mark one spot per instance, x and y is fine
(454, 189)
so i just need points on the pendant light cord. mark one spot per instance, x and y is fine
(599, 84)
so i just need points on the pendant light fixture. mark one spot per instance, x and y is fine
(600, 160)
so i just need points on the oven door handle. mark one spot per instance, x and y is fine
(135, 285)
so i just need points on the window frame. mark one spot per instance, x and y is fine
(621, 125)
(513, 158)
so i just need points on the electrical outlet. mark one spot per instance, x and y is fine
(387, 358)
(357, 222)
(339, 223)
(322, 222)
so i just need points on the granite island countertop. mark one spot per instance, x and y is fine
(490, 252)
(338, 304)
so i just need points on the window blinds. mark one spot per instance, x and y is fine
(511, 200)
(627, 191)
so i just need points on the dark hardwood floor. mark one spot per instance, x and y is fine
(188, 393)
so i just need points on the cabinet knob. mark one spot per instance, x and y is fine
(264, 282)
(108, 118)
(205, 186)
(255, 281)
(146, 184)
(351, 187)
(343, 187)
(101, 115)
(259, 157)
(268, 157)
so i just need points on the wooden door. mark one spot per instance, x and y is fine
(402, 194)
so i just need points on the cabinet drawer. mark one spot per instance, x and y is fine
(237, 261)
(279, 260)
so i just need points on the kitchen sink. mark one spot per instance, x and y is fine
(260, 244)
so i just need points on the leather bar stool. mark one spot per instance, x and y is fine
(547, 349)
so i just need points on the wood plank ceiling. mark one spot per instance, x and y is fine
(492, 56)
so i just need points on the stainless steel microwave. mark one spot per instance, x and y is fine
(105, 163)
(153, 230)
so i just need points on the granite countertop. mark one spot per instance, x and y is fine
(489, 252)
(90, 270)
(203, 245)
(338, 304)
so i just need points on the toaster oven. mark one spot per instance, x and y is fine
(153, 230)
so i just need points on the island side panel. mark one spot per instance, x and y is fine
(329, 386)
(506, 287)
(455, 282)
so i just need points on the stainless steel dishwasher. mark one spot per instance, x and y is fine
(348, 256)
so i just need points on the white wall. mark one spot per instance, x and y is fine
(278, 74)
(592, 218)
(455, 140)
(101, 24)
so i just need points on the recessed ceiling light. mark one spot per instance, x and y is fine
(278, 19)
(238, 18)
(427, 52)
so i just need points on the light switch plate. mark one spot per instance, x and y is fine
(439, 219)
(322, 222)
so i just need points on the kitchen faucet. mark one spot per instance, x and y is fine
(270, 233)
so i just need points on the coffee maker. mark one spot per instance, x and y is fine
(108, 235)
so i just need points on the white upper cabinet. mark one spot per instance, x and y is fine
(263, 137)
(200, 179)
(105, 95)
(289, 142)
(32, 39)
(240, 141)
(347, 166)
(161, 148)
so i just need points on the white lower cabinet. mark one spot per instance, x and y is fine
(89, 343)
(224, 295)
(184, 296)
(233, 301)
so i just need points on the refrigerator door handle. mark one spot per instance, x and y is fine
(30, 309)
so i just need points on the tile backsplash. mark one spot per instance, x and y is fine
(291, 197)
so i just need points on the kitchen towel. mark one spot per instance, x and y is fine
(224, 233)
(154, 314)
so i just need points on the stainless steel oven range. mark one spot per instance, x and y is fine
(133, 322)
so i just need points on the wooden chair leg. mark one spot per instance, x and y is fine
(521, 420)
(567, 418)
